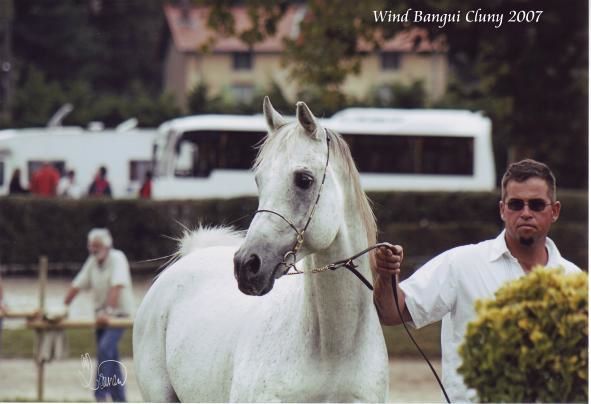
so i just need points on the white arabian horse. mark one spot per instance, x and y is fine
(314, 337)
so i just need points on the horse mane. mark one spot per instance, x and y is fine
(339, 150)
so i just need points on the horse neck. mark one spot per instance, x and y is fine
(336, 303)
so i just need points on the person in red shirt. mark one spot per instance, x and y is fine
(146, 189)
(100, 186)
(44, 181)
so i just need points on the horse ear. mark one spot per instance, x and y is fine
(306, 119)
(273, 118)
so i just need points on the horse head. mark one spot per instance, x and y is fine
(300, 200)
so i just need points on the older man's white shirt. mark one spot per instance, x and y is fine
(101, 278)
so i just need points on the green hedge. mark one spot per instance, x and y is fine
(424, 223)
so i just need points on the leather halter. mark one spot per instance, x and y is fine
(289, 259)
(291, 254)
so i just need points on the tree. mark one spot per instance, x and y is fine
(531, 78)
(100, 55)
(108, 43)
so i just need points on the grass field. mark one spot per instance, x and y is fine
(21, 343)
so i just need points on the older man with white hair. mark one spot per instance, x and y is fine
(106, 273)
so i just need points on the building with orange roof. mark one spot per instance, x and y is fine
(196, 54)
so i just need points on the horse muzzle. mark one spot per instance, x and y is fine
(250, 274)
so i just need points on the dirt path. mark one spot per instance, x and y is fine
(410, 381)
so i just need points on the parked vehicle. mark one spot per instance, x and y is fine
(126, 152)
(395, 149)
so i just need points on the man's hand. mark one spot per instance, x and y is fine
(389, 260)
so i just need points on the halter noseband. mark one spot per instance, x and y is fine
(291, 254)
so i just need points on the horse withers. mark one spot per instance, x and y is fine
(224, 323)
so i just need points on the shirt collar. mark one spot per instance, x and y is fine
(499, 248)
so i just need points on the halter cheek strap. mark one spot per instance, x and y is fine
(300, 234)
(289, 259)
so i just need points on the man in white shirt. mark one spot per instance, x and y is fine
(447, 287)
(106, 272)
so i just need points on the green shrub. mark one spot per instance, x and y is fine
(529, 344)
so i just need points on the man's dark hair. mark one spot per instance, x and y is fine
(523, 170)
(103, 171)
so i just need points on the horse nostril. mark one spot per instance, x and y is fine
(253, 264)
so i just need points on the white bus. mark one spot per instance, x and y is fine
(126, 153)
(395, 149)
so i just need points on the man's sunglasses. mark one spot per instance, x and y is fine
(536, 205)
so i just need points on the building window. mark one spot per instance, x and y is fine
(242, 60)
(242, 92)
(390, 60)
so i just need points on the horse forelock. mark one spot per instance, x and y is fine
(340, 154)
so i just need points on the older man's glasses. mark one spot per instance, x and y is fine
(536, 205)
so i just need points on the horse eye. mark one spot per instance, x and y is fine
(303, 180)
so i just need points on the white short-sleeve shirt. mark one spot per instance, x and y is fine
(447, 287)
(113, 272)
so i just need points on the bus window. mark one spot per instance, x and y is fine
(138, 169)
(412, 154)
(185, 158)
(1, 173)
(200, 152)
(447, 155)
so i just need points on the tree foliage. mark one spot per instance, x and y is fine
(102, 56)
(102, 42)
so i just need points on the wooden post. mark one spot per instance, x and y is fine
(41, 332)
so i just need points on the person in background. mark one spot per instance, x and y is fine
(106, 273)
(146, 189)
(44, 181)
(100, 185)
(15, 187)
(447, 287)
(68, 187)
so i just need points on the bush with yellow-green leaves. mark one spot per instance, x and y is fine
(529, 343)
